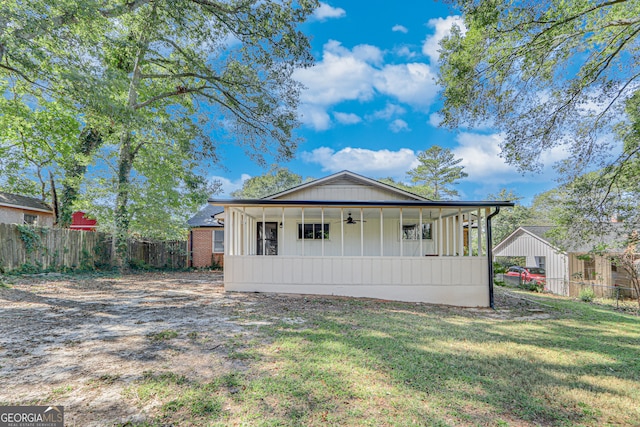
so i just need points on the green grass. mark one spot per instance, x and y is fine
(356, 362)
(164, 335)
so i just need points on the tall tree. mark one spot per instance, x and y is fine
(420, 190)
(276, 180)
(552, 75)
(168, 76)
(439, 171)
(510, 218)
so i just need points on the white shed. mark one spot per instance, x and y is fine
(530, 242)
(349, 235)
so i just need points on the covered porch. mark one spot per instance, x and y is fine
(402, 250)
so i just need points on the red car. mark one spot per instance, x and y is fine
(527, 274)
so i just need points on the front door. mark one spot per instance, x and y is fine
(270, 238)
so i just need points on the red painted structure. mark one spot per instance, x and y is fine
(80, 222)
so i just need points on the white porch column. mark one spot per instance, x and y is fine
(322, 228)
(264, 235)
(447, 233)
(302, 240)
(342, 231)
(361, 233)
(381, 233)
(281, 240)
(420, 232)
(479, 219)
(460, 229)
(227, 233)
(440, 237)
(401, 239)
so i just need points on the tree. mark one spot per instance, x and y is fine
(510, 218)
(552, 75)
(276, 180)
(420, 190)
(166, 76)
(438, 170)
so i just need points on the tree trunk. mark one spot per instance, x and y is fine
(120, 239)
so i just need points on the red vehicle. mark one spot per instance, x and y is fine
(527, 274)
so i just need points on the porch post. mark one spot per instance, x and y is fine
(420, 232)
(227, 231)
(460, 233)
(440, 233)
(381, 233)
(264, 235)
(302, 240)
(447, 233)
(322, 228)
(342, 231)
(361, 234)
(281, 240)
(479, 219)
(401, 236)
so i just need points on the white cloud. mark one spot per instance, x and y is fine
(229, 186)
(360, 160)
(435, 119)
(400, 28)
(325, 12)
(390, 111)
(347, 118)
(442, 28)
(399, 125)
(358, 74)
(412, 83)
(481, 155)
(404, 51)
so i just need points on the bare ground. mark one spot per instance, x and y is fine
(81, 341)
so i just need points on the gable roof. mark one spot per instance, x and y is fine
(205, 217)
(346, 175)
(24, 202)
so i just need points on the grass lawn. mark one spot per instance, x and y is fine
(339, 361)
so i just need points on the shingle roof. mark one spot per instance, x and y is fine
(538, 230)
(609, 237)
(204, 217)
(23, 201)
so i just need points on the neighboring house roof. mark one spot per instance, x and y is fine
(349, 177)
(205, 217)
(80, 222)
(23, 202)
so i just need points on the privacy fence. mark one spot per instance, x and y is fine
(25, 247)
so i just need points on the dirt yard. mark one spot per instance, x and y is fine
(81, 341)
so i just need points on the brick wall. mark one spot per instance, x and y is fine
(203, 247)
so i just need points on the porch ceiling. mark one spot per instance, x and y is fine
(331, 213)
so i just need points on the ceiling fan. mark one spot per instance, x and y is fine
(350, 220)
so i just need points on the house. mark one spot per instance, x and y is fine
(17, 209)
(349, 235)
(566, 270)
(80, 221)
(206, 237)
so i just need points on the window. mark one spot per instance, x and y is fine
(30, 219)
(410, 231)
(590, 269)
(540, 261)
(218, 241)
(313, 231)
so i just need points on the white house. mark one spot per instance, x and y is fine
(349, 235)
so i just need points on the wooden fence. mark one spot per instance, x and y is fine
(36, 248)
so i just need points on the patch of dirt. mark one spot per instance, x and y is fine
(83, 341)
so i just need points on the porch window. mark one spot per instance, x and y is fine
(313, 231)
(218, 241)
(411, 231)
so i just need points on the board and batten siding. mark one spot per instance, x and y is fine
(526, 245)
(459, 281)
(344, 191)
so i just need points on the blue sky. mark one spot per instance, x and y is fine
(371, 103)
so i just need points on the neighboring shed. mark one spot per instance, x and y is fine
(530, 242)
(346, 234)
(206, 237)
(567, 271)
(17, 209)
